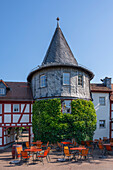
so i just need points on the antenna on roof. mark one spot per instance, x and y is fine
(57, 22)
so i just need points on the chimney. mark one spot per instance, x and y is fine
(107, 82)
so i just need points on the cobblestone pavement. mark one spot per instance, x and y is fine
(96, 164)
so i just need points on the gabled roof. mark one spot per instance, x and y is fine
(19, 91)
(99, 88)
(59, 50)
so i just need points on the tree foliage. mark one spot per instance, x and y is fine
(50, 124)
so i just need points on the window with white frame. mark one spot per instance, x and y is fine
(66, 78)
(102, 123)
(2, 91)
(0, 108)
(15, 107)
(43, 81)
(102, 100)
(66, 106)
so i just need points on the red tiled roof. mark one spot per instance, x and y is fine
(18, 91)
(99, 88)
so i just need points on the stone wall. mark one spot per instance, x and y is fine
(54, 84)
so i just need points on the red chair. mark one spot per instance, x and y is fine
(41, 157)
(25, 156)
(108, 148)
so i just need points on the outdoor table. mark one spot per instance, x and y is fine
(66, 143)
(79, 149)
(34, 143)
(34, 150)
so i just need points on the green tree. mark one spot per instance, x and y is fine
(50, 124)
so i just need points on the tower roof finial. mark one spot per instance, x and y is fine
(57, 22)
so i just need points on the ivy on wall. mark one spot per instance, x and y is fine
(50, 124)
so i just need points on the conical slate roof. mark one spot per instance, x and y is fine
(59, 50)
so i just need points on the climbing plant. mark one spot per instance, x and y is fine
(50, 124)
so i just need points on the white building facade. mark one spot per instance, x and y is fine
(101, 101)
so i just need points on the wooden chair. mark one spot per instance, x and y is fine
(38, 145)
(25, 156)
(83, 143)
(49, 148)
(84, 153)
(67, 153)
(60, 147)
(108, 149)
(41, 157)
(45, 146)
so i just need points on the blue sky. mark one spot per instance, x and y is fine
(27, 26)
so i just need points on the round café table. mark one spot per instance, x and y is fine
(33, 150)
(77, 149)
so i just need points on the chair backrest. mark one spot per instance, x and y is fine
(84, 152)
(39, 145)
(49, 148)
(101, 146)
(47, 143)
(59, 145)
(45, 153)
(82, 142)
(38, 141)
(88, 143)
(108, 148)
(33, 147)
(27, 144)
(66, 151)
(18, 150)
(24, 154)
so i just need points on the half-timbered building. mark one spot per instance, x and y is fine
(15, 110)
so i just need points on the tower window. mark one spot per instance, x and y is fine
(66, 78)
(80, 80)
(42, 81)
(66, 106)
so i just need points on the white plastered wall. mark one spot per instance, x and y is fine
(103, 113)
(7, 108)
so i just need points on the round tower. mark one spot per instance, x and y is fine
(59, 75)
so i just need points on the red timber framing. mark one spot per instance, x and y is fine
(22, 118)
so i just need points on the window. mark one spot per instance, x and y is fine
(43, 81)
(2, 91)
(66, 78)
(66, 106)
(16, 108)
(80, 80)
(102, 100)
(102, 123)
(0, 108)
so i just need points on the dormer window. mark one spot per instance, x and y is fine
(43, 81)
(2, 91)
(66, 78)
